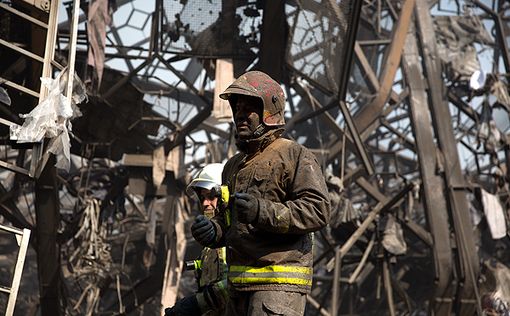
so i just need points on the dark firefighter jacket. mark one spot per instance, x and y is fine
(275, 252)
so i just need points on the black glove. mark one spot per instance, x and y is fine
(247, 207)
(203, 230)
(187, 306)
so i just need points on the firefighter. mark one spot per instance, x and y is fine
(278, 198)
(210, 269)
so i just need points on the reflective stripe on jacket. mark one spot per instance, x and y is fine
(270, 275)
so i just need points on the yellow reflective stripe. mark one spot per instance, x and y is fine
(276, 274)
(198, 264)
(224, 254)
(225, 196)
(268, 269)
(249, 280)
(224, 266)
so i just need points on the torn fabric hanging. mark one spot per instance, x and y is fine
(494, 215)
(99, 17)
(488, 133)
(4, 97)
(393, 237)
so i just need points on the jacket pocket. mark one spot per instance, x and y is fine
(261, 177)
(283, 305)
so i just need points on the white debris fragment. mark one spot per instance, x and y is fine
(477, 80)
(52, 118)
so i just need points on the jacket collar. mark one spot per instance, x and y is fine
(252, 146)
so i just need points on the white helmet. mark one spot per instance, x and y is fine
(208, 178)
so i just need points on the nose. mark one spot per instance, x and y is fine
(206, 202)
(240, 116)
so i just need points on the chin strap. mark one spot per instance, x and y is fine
(259, 131)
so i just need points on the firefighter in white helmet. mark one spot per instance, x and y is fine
(210, 269)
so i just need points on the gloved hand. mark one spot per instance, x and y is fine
(247, 207)
(187, 306)
(203, 230)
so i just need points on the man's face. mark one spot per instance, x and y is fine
(247, 115)
(208, 202)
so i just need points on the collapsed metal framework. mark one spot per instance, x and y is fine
(405, 139)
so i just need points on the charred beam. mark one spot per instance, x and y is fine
(467, 296)
(48, 252)
(432, 184)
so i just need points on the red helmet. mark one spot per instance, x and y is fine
(260, 85)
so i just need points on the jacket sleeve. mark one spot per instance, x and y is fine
(307, 208)
(220, 219)
(220, 227)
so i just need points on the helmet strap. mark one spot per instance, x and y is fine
(261, 129)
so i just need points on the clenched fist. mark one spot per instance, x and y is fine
(203, 230)
(247, 207)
